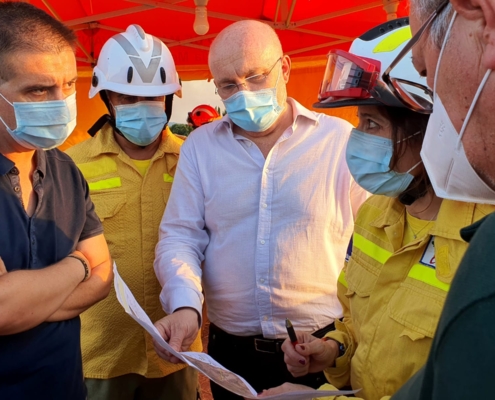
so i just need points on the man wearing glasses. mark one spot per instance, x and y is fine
(456, 50)
(259, 217)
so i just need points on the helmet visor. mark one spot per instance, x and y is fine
(348, 76)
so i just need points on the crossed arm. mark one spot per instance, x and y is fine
(54, 293)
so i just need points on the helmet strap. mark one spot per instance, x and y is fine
(169, 99)
(104, 119)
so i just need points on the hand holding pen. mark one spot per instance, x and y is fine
(305, 353)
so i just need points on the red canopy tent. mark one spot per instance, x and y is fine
(308, 29)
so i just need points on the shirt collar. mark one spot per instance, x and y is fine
(107, 143)
(445, 225)
(6, 164)
(41, 162)
(298, 111)
(390, 215)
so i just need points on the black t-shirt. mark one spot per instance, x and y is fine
(44, 362)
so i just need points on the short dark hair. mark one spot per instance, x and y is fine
(24, 27)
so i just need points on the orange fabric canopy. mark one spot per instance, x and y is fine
(308, 29)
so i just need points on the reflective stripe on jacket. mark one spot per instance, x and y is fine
(395, 293)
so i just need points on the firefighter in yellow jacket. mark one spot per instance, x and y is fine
(129, 164)
(406, 245)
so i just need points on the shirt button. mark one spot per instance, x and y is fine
(265, 318)
(33, 241)
(262, 241)
(17, 189)
(265, 205)
(262, 280)
(249, 144)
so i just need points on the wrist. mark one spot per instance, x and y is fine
(87, 269)
(191, 311)
(338, 348)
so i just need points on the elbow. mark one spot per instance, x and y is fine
(106, 285)
(104, 274)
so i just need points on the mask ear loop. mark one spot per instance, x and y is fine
(471, 108)
(478, 92)
(1, 119)
(447, 33)
(414, 166)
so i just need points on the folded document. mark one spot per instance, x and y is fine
(201, 361)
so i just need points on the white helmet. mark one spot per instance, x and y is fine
(137, 64)
(355, 77)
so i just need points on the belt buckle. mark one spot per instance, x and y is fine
(260, 343)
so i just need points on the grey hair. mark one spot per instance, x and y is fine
(422, 9)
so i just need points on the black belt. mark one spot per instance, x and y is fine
(258, 342)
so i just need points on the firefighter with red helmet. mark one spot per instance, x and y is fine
(202, 114)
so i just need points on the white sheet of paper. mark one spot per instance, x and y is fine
(201, 361)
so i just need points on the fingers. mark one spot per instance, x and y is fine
(311, 349)
(179, 330)
(297, 364)
(305, 337)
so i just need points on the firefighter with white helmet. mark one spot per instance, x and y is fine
(406, 245)
(129, 164)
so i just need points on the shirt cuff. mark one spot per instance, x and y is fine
(339, 374)
(181, 298)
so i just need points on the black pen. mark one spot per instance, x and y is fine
(291, 332)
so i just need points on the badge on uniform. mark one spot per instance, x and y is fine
(428, 257)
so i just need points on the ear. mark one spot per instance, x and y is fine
(286, 65)
(484, 12)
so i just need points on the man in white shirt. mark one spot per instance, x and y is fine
(263, 198)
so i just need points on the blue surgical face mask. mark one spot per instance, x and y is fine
(254, 111)
(141, 123)
(368, 158)
(43, 124)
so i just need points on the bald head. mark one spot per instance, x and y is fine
(246, 40)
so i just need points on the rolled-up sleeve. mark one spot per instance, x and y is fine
(182, 238)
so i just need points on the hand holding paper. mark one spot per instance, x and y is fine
(201, 361)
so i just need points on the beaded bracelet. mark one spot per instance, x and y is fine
(85, 265)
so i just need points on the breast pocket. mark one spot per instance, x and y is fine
(361, 279)
(417, 310)
(109, 206)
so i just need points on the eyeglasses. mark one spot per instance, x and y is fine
(411, 94)
(253, 82)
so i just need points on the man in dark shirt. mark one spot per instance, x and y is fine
(54, 259)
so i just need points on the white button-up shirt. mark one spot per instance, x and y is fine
(271, 233)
